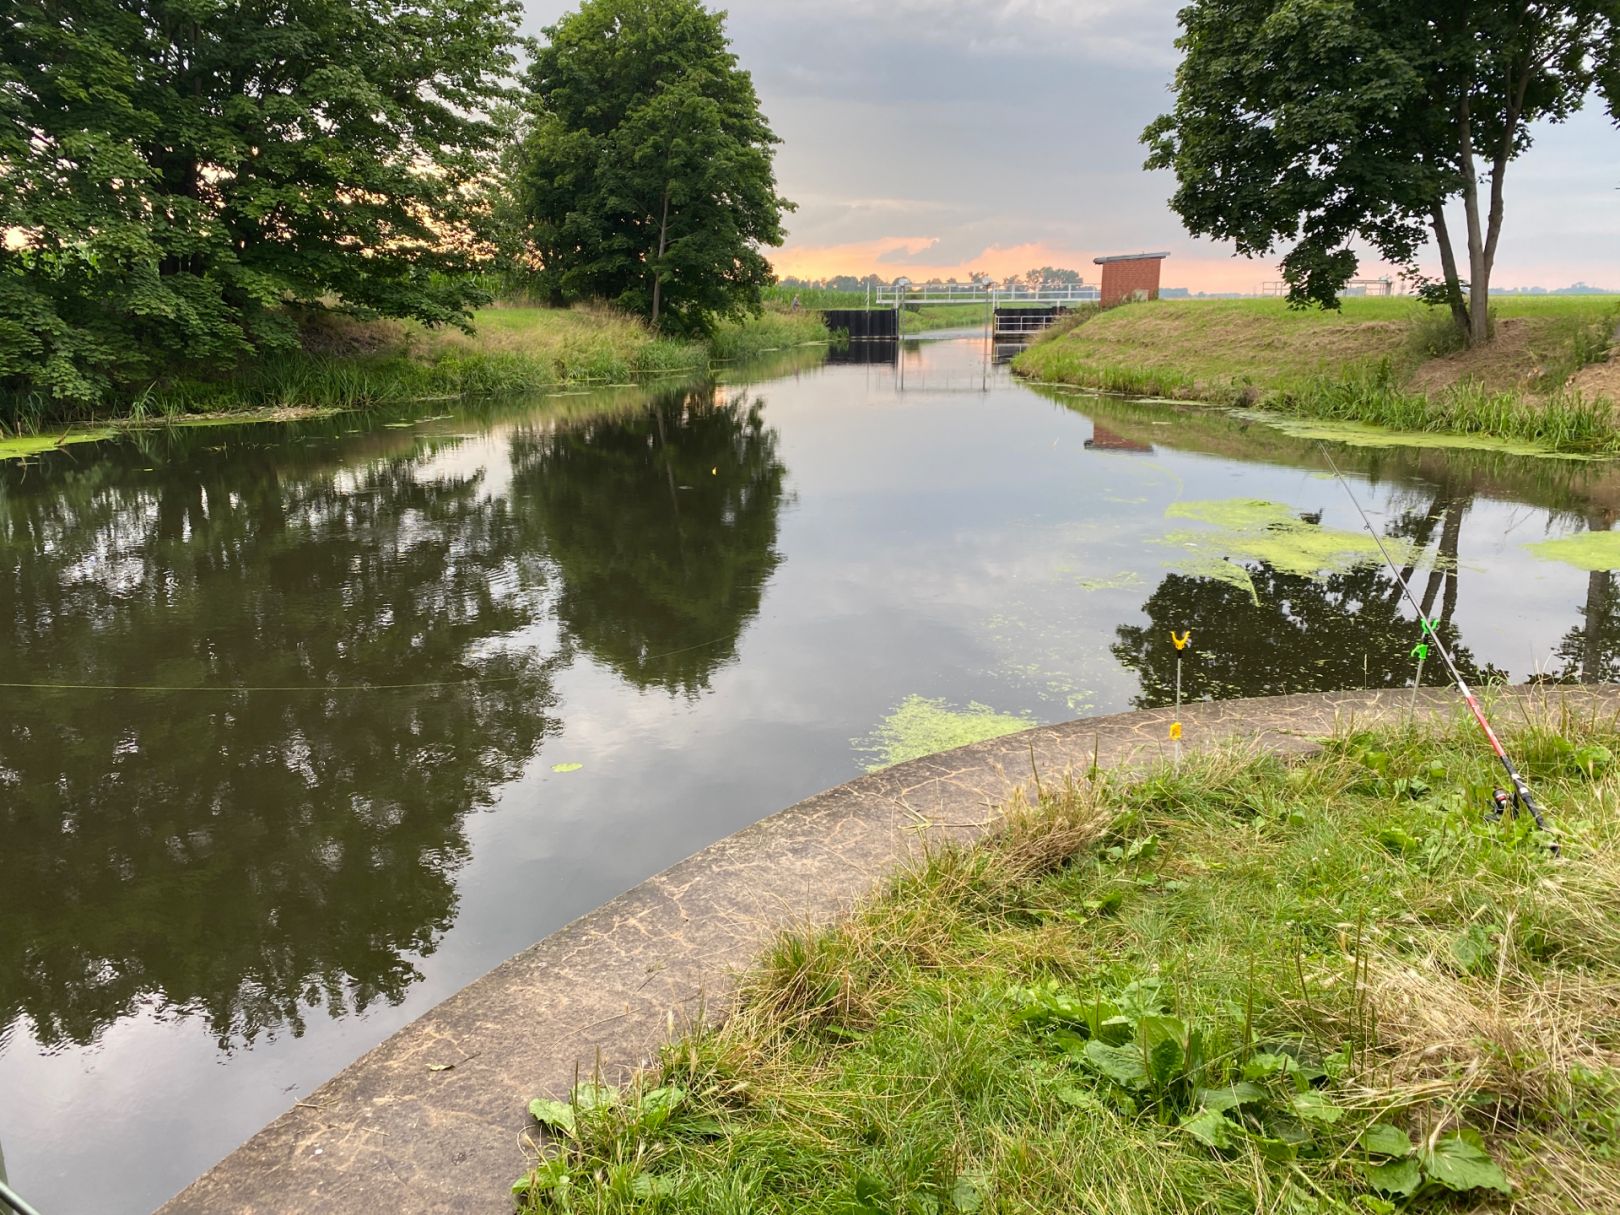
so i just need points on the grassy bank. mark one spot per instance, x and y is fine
(1391, 362)
(349, 364)
(1244, 986)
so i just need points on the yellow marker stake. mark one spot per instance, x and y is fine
(1181, 643)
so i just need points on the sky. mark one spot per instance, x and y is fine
(939, 137)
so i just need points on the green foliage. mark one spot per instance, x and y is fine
(1311, 123)
(177, 173)
(645, 175)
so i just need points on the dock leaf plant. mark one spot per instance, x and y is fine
(1243, 985)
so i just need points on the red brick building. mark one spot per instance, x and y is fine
(1130, 276)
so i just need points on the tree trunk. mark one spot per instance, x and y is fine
(1448, 266)
(658, 263)
(1450, 538)
(1479, 273)
(1599, 592)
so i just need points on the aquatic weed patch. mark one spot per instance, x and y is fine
(1242, 529)
(20, 447)
(1239, 986)
(919, 727)
(1594, 551)
(1365, 434)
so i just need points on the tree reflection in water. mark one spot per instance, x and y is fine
(1591, 652)
(663, 528)
(245, 857)
(1343, 630)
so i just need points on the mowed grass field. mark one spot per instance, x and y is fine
(1216, 346)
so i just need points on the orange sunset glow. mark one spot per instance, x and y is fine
(893, 256)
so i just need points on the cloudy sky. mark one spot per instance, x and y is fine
(928, 137)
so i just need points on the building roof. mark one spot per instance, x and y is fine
(1130, 257)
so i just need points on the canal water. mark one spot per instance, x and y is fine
(307, 725)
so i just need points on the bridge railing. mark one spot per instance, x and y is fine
(956, 293)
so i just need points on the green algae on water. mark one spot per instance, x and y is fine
(16, 447)
(1120, 581)
(1594, 551)
(1365, 434)
(1253, 529)
(920, 726)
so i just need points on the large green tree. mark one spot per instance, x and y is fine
(645, 176)
(175, 173)
(1311, 123)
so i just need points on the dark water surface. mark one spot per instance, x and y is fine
(304, 783)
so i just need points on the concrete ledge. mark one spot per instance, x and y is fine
(389, 1134)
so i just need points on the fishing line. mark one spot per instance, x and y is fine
(321, 687)
(1521, 790)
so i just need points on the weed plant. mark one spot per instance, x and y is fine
(1244, 985)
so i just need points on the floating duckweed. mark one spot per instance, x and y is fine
(1594, 551)
(1364, 434)
(1252, 529)
(920, 726)
(1116, 582)
(15, 447)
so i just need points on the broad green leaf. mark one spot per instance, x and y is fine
(1471, 949)
(1070, 1043)
(558, 1115)
(1382, 1139)
(1394, 1176)
(1230, 1097)
(1398, 841)
(590, 1097)
(1121, 1064)
(970, 1191)
(1115, 1030)
(870, 1197)
(1163, 1039)
(1460, 1162)
(1211, 1128)
(1142, 998)
(1142, 849)
(1080, 1099)
(1313, 1107)
(1281, 1151)
(1265, 1064)
(1166, 1062)
(665, 1099)
(1105, 904)
(649, 1185)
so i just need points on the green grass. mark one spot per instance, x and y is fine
(350, 364)
(1390, 362)
(1241, 986)
(772, 330)
(813, 297)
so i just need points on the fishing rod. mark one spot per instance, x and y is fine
(1521, 790)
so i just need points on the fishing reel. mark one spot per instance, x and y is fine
(1504, 803)
(1501, 802)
